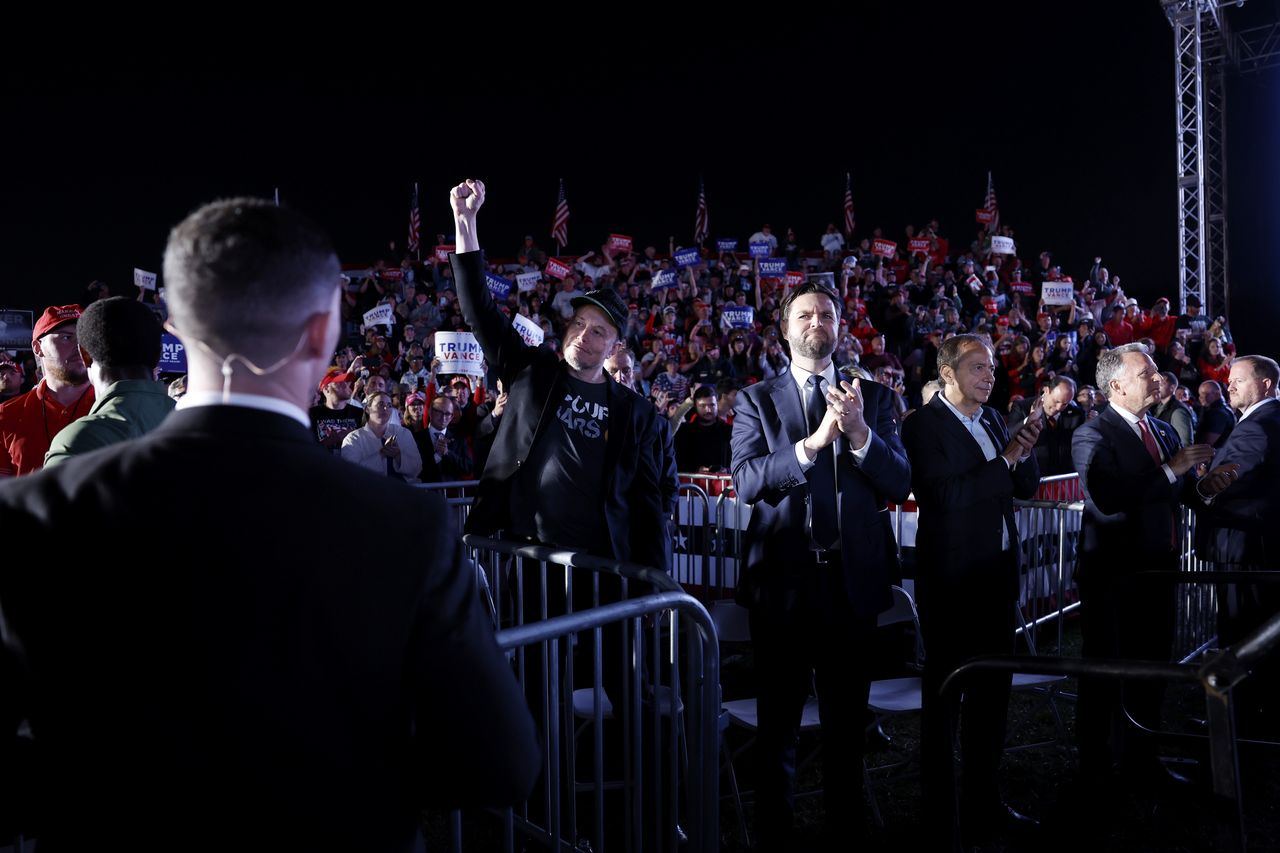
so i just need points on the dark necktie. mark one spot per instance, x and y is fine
(822, 476)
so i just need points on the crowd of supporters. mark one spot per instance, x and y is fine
(687, 329)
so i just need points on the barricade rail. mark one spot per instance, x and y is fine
(709, 523)
(1218, 676)
(662, 729)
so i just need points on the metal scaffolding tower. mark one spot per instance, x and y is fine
(1204, 50)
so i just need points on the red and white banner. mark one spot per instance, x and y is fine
(620, 243)
(442, 253)
(884, 248)
(984, 216)
(557, 268)
(918, 244)
(793, 278)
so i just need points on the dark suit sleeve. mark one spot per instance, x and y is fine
(760, 474)
(664, 448)
(1251, 497)
(503, 348)
(1112, 489)
(646, 499)
(886, 462)
(1026, 474)
(474, 738)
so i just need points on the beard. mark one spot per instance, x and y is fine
(74, 374)
(815, 346)
(575, 359)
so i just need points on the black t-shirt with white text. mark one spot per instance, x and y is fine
(558, 497)
(327, 422)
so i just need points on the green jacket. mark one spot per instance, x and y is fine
(127, 410)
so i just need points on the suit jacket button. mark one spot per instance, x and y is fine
(518, 461)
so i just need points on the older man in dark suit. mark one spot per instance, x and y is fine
(237, 666)
(1134, 472)
(966, 470)
(818, 459)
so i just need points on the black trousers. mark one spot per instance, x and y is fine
(963, 618)
(804, 632)
(1122, 617)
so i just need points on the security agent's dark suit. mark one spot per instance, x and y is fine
(1240, 531)
(807, 617)
(1130, 525)
(231, 680)
(967, 588)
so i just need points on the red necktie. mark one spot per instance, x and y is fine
(1149, 442)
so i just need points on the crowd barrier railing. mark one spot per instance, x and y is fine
(634, 696)
(707, 536)
(707, 539)
(1219, 675)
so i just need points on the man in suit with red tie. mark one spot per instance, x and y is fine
(1135, 473)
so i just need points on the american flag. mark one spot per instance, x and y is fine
(848, 205)
(415, 220)
(700, 218)
(990, 204)
(560, 222)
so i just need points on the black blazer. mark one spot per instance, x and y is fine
(1131, 507)
(965, 500)
(455, 464)
(768, 420)
(1239, 527)
(213, 652)
(634, 474)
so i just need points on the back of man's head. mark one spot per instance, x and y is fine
(120, 334)
(244, 275)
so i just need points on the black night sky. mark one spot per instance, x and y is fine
(1071, 108)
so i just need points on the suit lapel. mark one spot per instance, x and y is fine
(1122, 434)
(1163, 440)
(953, 432)
(998, 436)
(786, 402)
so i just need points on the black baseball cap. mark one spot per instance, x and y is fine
(607, 301)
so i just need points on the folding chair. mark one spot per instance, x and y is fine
(1043, 686)
(890, 697)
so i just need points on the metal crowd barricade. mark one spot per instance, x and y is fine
(707, 543)
(1049, 528)
(1196, 628)
(1219, 675)
(661, 733)
(458, 494)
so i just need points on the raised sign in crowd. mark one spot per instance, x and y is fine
(709, 317)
